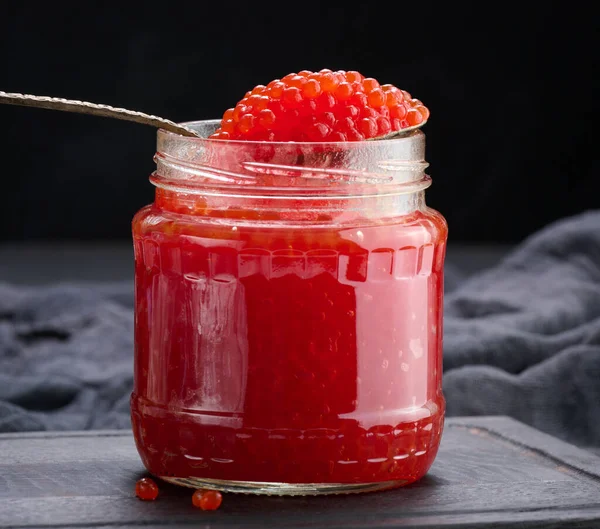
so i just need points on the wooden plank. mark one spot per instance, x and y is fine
(491, 471)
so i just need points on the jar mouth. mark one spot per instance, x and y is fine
(193, 164)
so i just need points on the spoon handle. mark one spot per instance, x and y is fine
(94, 109)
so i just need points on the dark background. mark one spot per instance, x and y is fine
(512, 93)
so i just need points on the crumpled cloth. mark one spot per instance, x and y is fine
(523, 338)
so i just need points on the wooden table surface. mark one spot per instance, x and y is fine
(490, 472)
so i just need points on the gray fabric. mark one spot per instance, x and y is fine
(66, 357)
(521, 339)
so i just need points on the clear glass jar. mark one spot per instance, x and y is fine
(288, 316)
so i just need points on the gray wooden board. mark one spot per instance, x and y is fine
(490, 472)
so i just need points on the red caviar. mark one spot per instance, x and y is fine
(321, 106)
(311, 354)
(207, 500)
(146, 489)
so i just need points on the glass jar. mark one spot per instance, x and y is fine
(288, 315)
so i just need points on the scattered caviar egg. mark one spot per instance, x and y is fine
(207, 500)
(146, 489)
(321, 106)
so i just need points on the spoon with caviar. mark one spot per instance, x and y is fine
(324, 106)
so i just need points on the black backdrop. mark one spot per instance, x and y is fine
(512, 93)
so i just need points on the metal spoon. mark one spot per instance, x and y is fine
(83, 107)
(95, 109)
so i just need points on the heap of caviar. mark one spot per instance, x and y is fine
(321, 106)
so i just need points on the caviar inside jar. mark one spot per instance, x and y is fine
(294, 355)
(288, 336)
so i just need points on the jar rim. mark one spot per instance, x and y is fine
(198, 164)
